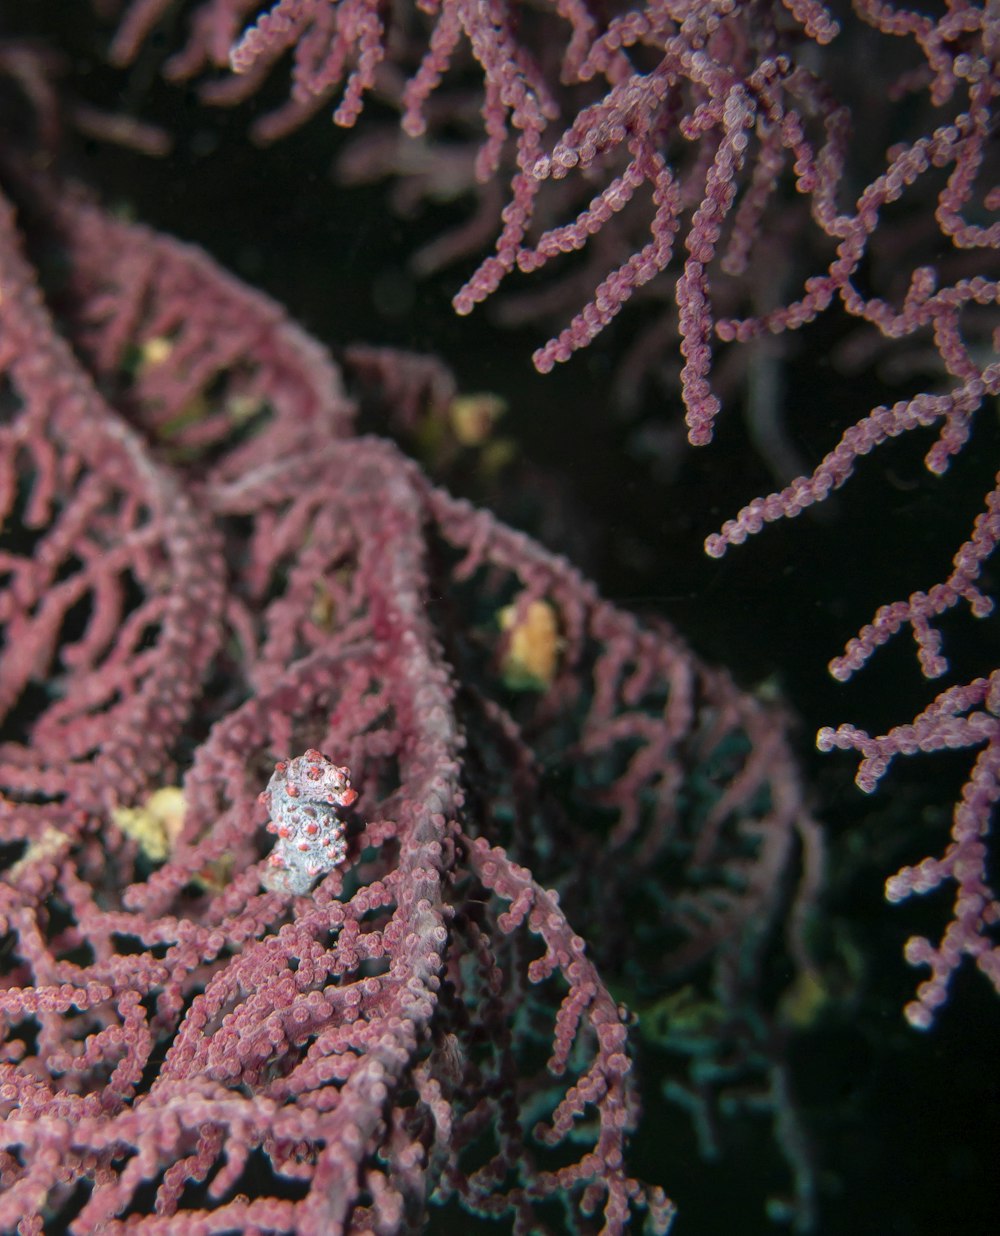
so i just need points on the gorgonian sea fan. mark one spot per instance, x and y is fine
(204, 572)
(761, 170)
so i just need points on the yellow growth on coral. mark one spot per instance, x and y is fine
(531, 658)
(157, 824)
(473, 416)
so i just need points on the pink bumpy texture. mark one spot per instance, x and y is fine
(302, 798)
